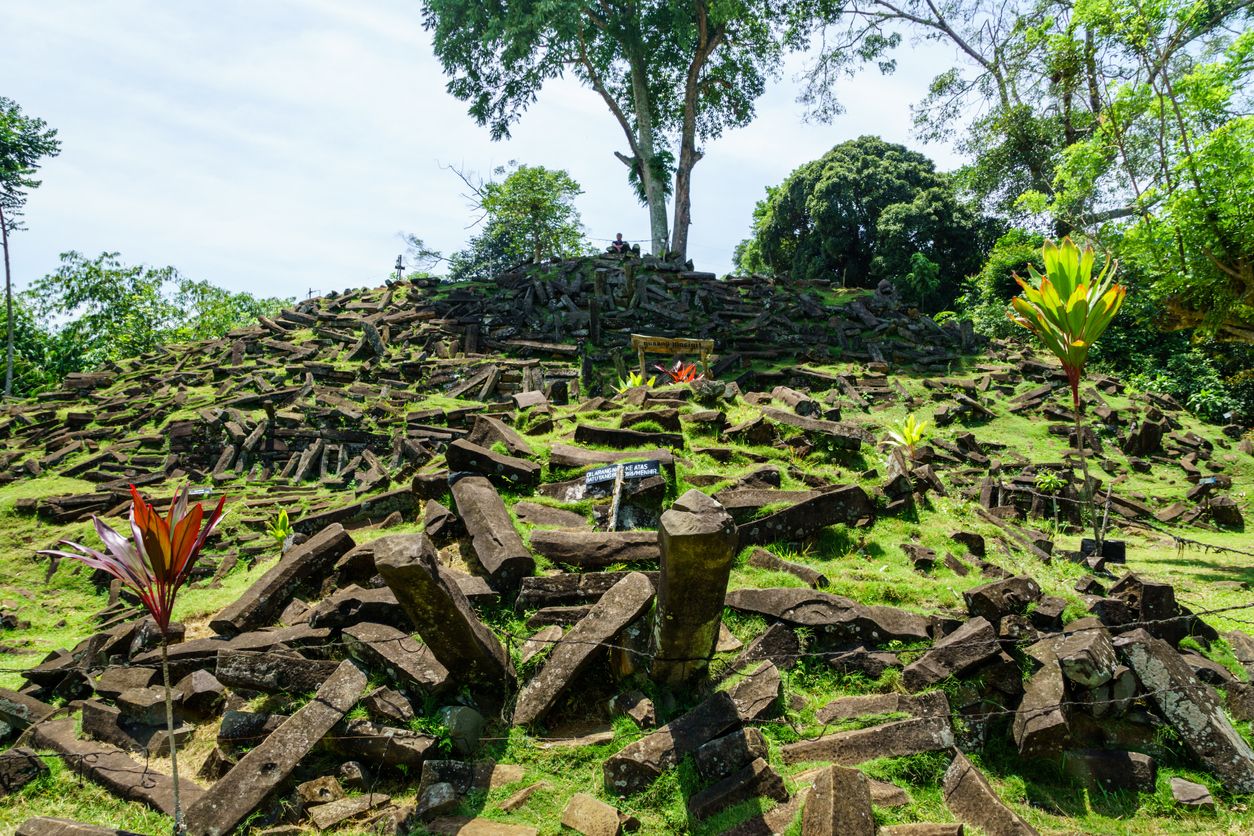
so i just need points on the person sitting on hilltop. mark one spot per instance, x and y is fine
(618, 245)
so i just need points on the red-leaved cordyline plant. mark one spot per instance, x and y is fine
(155, 562)
(681, 372)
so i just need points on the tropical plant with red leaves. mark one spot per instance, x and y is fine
(154, 562)
(681, 372)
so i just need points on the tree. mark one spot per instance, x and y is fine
(861, 213)
(1117, 119)
(24, 142)
(671, 72)
(527, 216)
(106, 310)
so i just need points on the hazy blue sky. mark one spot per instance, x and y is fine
(282, 146)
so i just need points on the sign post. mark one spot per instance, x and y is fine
(672, 345)
(618, 473)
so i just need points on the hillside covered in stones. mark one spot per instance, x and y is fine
(775, 624)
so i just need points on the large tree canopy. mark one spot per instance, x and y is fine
(672, 72)
(1121, 120)
(863, 212)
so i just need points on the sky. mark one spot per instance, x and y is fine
(283, 147)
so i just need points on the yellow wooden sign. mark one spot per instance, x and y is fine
(643, 344)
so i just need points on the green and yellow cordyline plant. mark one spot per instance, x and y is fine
(281, 528)
(908, 435)
(633, 380)
(1067, 308)
(155, 563)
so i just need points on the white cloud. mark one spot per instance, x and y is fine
(280, 147)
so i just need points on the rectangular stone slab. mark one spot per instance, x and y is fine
(202, 654)
(971, 799)
(597, 549)
(380, 647)
(568, 590)
(436, 605)
(564, 455)
(625, 602)
(264, 601)
(1190, 707)
(493, 538)
(44, 826)
(888, 740)
(112, 768)
(238, 793)
(639, 764)
(271, 672)
(845, 505)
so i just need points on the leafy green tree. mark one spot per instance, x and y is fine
(672, 73)
(103, 310)
(861, 213)
(24, 142)
(526, 216)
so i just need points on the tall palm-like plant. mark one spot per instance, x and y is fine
(1067, 308)
(155, 562)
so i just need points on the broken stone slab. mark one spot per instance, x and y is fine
(1191, 794)
(493, 538)
(334, 813)
(756, 780)
(1108, 770)
(1041, 727)
(971, 644)
(597, 549)
(466, 826)
(1191, 708)
(724, 755)
(624, 439)
(1087, 657)
(564, 455)
(698, 541)
(382, 745)
(112, 767)
(971, 799)
(116, 679)
(353, 604)
(45, 826)
(832, 617)
(271, 672)
(930, 704)
(262, 603)
(435, 604)
(832, 434)
(639, 764)
(763, 559)
(778, 644)
(922, 829)
(843, 505)
(18, 767)
(393, 653)
(994, 600)
(625, 602)
(487, 431)
(466, 775)
(535, 514)
(568, 589)
(887, 740)
(19, 711)
(507, 471)
(839, 805)
(590, 816)
(270, 763)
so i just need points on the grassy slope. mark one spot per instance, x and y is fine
(865, 565)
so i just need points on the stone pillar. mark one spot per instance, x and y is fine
(496, 543)
(439, 610)
(698, 541)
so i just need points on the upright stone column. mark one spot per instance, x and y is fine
(433, 601)
(698, 541)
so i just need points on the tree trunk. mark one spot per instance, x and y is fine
(1086, 491)
(180, 826)
(650, 177)
(688, 154)
(8, 306)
